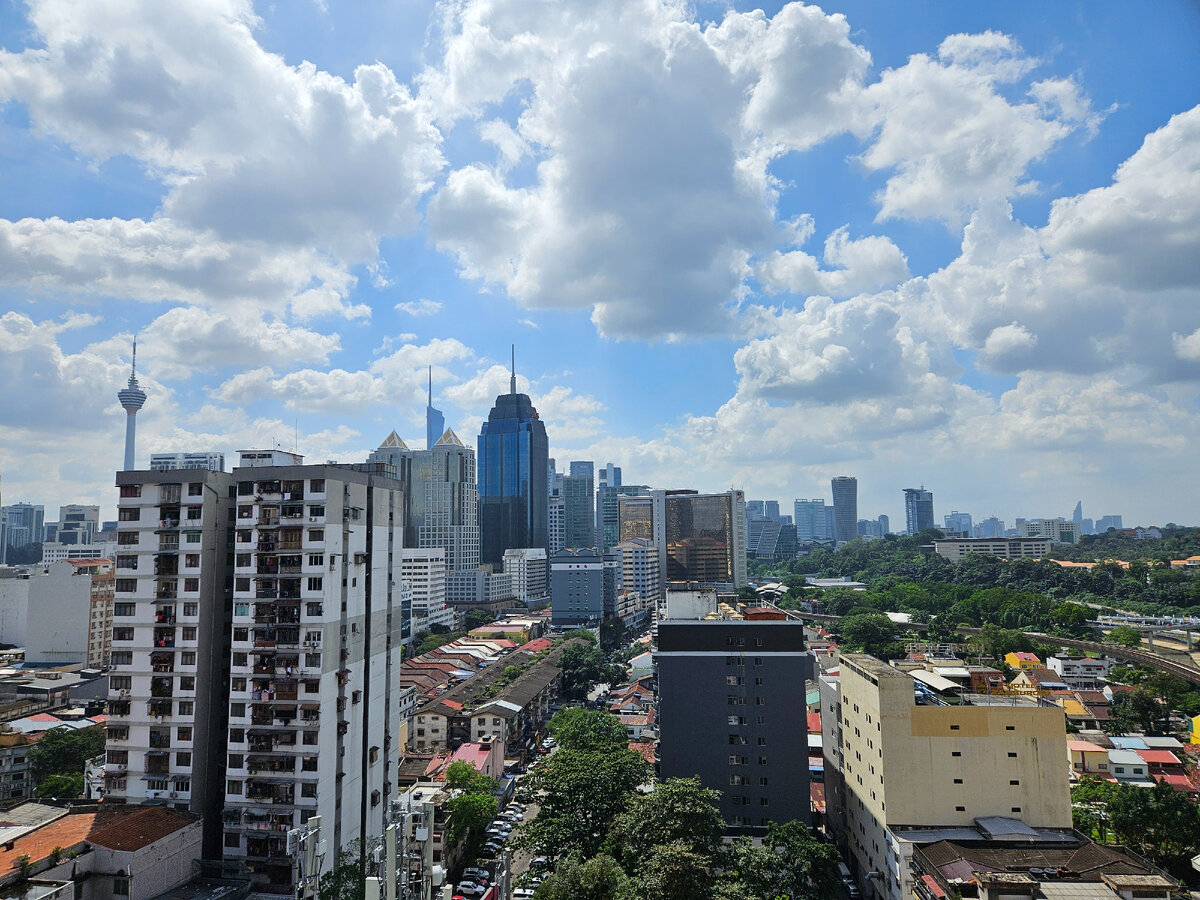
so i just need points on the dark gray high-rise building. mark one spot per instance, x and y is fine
(579, 511)
(514, 455)
(730, 695)
(845, 508)
(918, 509)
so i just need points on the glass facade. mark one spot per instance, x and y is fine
(513, 458)
(699, 536)
(636, 518)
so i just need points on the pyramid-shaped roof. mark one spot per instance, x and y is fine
(393, 440)
(449, 438)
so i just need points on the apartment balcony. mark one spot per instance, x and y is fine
(168, 591)
(293, 569)
(119, 707)
(271, 793)
(292, 511)
(165, 618)
(276, 764)
(158, 763)
(164, 637)
(162, 687)
(162, 662)
(266, 593)
(166, 566)
(268, 520)
(289, 590)
(267, 543)
(267, 567)
(168, 546)
(160, 708)
(268, 822)
(266, 488)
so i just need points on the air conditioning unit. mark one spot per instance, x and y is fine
(122, 767)
(174, 793)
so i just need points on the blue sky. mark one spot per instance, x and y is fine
(942, 244)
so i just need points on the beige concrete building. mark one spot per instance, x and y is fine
(1005, 548)
(906, 766)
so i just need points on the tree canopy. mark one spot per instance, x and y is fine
(576, 728)
(65, 751)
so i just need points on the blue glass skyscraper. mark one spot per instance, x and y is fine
(513, 456)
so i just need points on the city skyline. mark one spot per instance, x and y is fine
(771, 272)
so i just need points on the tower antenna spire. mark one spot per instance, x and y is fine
(133, 371)
(512, 384)
(431, 384)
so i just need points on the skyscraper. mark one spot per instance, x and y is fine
(435, 422)
(810, 520)
(845, 508)
(132, 399)
(918, 509)
(608, 510)
(700, 537)
(513, 460)
(579, 498)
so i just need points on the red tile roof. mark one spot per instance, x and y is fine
(537, 646)
(643, 748)
(140, 828)
(1159, 757)
(814, 723)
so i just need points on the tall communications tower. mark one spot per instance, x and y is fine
(132, 398)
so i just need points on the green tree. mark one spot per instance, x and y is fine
(463, 776)
(613, 633)
(599, 878)
(576, 728)
(470, 814)
(582, 667)
(1138, 710)
(580, 793)
(1159, 823)
(675, 871)
(1073, 618)
(61, 787)
(347, 880)
(477, 618)
(1124, 636)
(868, 633)
(790, 863)
(677, 810)
(65, 751)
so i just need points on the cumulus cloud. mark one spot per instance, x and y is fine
(865, 264)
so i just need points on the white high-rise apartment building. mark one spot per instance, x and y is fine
(282, 695)
(168, 681)
(424, 573)
(529, 574)
(639, 568)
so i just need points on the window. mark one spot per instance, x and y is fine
(120, 886)
(184, 733)
(1010, 727)
(125, 585)
(316, 534)
(960, 809)
(191, 609)
(1014, 781)
(193, 537)
(241, 634)
(235, 788)
(124, 609)
(958, 781)
(237, 735)
(243, 560)
(131, 490)
(189, 632)
(312, 660)
(244, 535)
(241, 584)
(316, 510)
(195, 489)
(314, 609)
(187, 683)
(233, 839)
(308, 764)
(317, 485)
(122, 658)
(120, 682)
(194, 512)
(129, 514)
(239, 659)
(316, 584)
(954, 728)
(125, 538)
(122, 634)
(187, 708)
(762, 742)
(1012, 756)
(308, 789)
(183, 759)
(127, 562)
(316, 559)
(956, 753)
(187, 658)
(117, 757)
(310, 738)
(237, 710)
(191, 584)
(191, 560)
(1016, 809)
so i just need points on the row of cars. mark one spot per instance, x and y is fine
(476, 880)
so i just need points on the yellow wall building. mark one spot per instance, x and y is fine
(905, 765)
(1023, 660)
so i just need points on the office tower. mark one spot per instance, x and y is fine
(755, 509)
(771, 510)
(868, 529)
(885, 525)
(320, 616)
(169, 682)
(579, 498)
(991, 527)
(583, 587)
(958, 524)
(896, 771)
(424, 572)
(435, 422)
(165, 462)
(700, 537)
(440, 498)
(132, 399)
(809, 517)
(77, 523)
(635, 517)
(1106, 522)
(609, 476)
(608, 509)
(513, 455)
(1077, 515)
(730, 694)
(21, 524)
(528, 572)
(639, 568)
(556, 523)
(918, 509)
(845, 508)
(1058, 530)
(776, 540)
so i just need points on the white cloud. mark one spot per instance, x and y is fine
(1188, 346)
(866, 264)
(419, 308)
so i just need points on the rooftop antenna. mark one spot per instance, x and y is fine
(133, 370)
(512, 384)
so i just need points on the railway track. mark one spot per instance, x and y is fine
(1180, 670)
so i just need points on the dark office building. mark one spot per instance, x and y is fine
(918, 509)
(513, 459)
(732, 711)
(845, 508)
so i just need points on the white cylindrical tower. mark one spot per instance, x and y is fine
(132, 398)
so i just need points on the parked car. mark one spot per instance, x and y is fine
(474, 873)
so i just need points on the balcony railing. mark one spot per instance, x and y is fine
(160, 708)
